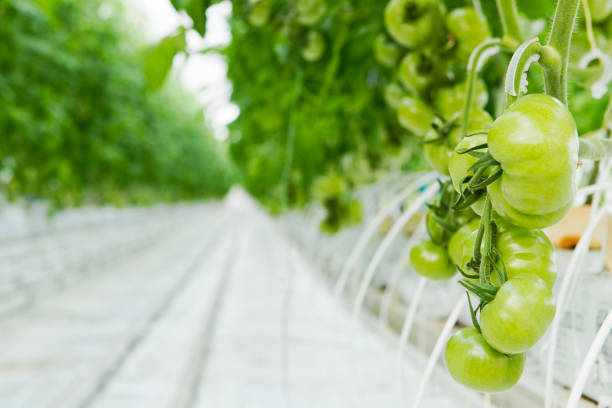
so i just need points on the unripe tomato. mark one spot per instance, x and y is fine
(536, 143)
(386, 52)
(519, 315)
(435, 230)
(414, 115)
(525, 250)
(315, 46)
(460, 163)
(451, 100)
(259, 13)
(469, 29)
(431, 261)
(310, 12)
(600, 9)
(439, 155)
(457, 241)
(413, 23)
(393, 94)
(472, 362)
(415, 72)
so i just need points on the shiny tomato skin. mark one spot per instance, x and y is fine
(472, 362)
(431, 261)
(519, 315)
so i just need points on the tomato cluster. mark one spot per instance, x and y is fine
(427, 48)
(509, 178)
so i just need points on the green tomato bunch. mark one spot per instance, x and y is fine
(521, 177)
(427, 49)
(435, 257)
(332, 191)
(309, 91)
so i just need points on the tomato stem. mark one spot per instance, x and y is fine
(477, 59)
(509, 18)
(488, 239)
(555, 68)
(516, 80)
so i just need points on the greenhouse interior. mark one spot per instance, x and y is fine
(305, 203)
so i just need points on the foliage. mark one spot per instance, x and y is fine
(78, 122)
(320, 116)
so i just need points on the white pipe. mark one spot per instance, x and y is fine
(385, 304)
(437, 350)
(594, 188)
(486, 401)
(373, 226)
(589, 360)
(583, 245)
(386, 243)
(387, 297)
(391, 286)
(405, 335)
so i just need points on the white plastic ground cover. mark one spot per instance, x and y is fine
(59, 254)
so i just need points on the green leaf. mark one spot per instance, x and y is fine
(179, 4)
(197, 11)
(158, 61)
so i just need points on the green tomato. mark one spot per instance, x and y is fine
(315, 46)
(600, 9)
(536, 143)
(525, 250)
(386, 52)
(475, 364)
(464, 216)
(413, 23)
(506, 213)
(519, 315)
(450, 100)
(310, 12)
(415, 72)
(480, 120)
(469, 29)
(393, 94)
(414, 115)
(439, 155)
(431, 261)
(436, 231)
(259, 13)
(460, 163)
(457, 241)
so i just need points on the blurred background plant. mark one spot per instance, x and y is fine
(80, 125)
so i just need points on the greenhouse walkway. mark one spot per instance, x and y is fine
(193, 306)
